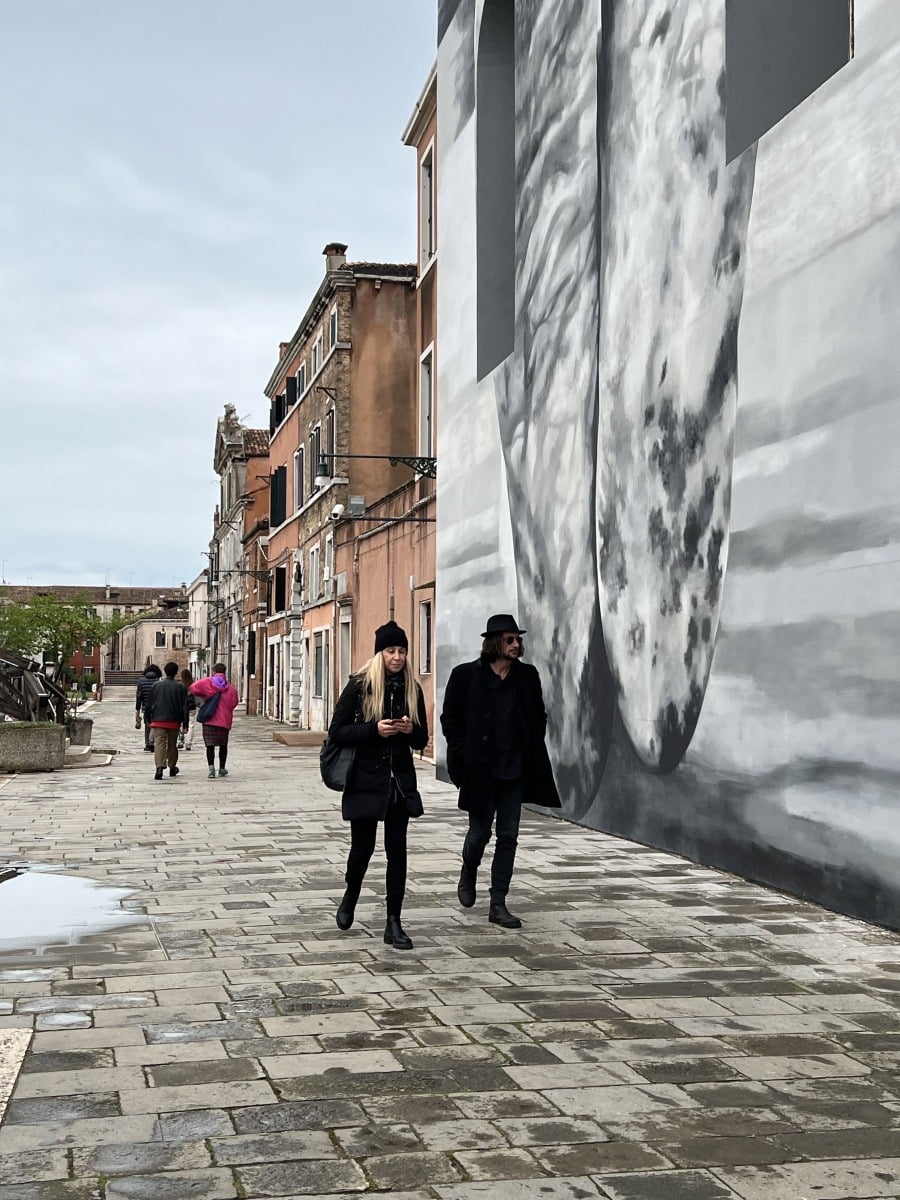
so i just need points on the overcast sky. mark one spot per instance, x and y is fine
(169, 175)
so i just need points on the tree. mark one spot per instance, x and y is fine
(53, 628)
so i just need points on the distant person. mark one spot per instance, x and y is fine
(218, 726)
(144, 687)
(186, 740)
(381, 713)
(168, 712)
(495, 724)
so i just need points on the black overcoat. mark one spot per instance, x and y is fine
(368, 789)
(467, 724)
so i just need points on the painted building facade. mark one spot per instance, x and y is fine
(669, 394)
(340, 402)
(240, 460)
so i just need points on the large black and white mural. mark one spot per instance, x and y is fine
(669, 401)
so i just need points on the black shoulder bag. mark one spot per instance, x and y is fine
(336, 762)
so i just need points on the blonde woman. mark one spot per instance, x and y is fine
(381, 713)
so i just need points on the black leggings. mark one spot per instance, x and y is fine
(211, 755)
(363, 835)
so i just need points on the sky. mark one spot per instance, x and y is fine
(169, 175)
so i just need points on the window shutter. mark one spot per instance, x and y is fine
(290, 394)
(278, 497)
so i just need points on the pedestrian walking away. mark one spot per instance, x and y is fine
(145, 685)
(217, 726)
(167, 710)
(495, 724)
(381, 714)
(186, 740)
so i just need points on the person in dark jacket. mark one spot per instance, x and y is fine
(381, 713)
(144, 687)
(167, 711)
(495, 725)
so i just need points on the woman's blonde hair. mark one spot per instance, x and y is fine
(372, 679)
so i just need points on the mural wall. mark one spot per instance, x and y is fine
(673, 456)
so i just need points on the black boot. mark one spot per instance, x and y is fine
(394, 935)
(346, 909)
(499, 914)
(465, 889)
(158, 774)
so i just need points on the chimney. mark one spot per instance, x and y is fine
(335, 256)
(282, 346)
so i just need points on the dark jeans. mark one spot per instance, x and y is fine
(506, 805)
(363, 835)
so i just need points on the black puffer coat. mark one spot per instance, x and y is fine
(467, 722)
(144, 688)
(368, 791)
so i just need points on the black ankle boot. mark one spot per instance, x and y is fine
(499, 914)
(346, 910)
(465, 889)
(394, 935)
(158, 774)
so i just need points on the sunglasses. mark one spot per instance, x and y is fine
(511, 638)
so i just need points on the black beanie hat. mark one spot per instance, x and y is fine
(390, 635)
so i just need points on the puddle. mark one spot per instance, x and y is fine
(39, 908)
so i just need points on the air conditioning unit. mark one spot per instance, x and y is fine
(264, 540)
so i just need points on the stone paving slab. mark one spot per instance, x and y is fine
(656, 1031)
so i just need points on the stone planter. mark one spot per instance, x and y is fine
(79, 730)
(31, 746)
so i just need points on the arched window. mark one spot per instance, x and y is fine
(495, 184)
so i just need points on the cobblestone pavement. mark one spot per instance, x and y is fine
(656, 1030)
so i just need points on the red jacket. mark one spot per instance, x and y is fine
(224, 714)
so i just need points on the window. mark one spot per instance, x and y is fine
(280, 588)
(314, 574)
(88, 649)
(318, 664)
(495, 191)
(428, 232)
(251, 651)
(161, 639)
(333, 328)
(117, 612)
(316, 359)
(329, 434)
(315, 446)
(328, 567)
(301, 379)
(426, 405)
(299, 478)
(425, 637)
(777, 55)
(174, 641)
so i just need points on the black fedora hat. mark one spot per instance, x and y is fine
(502, 623)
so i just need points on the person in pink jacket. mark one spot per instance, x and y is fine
(217, 727)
